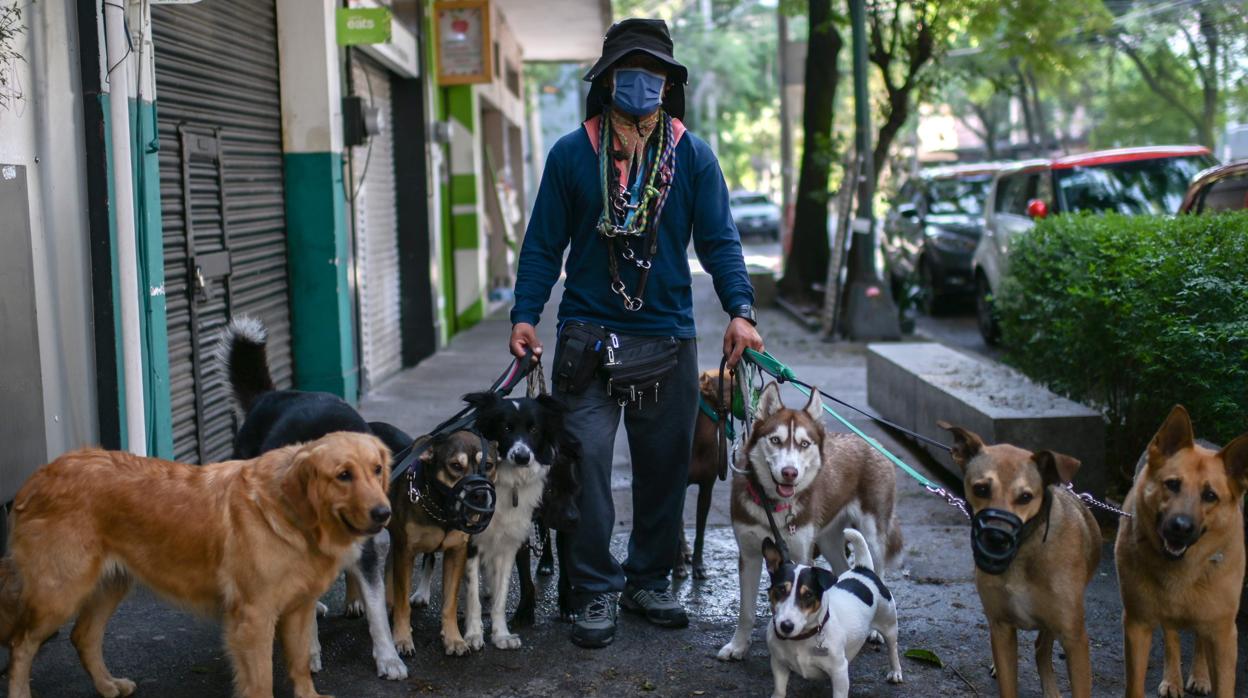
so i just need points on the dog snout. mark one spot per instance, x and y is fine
(1179, 527)
(521, 456)
(789, 474)
(380, 514)
(786, 626)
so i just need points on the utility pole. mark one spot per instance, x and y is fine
(786, 131)
(871, 313)
(712, 92)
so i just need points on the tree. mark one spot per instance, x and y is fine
(807, 262)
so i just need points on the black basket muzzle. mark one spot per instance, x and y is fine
(470, 503)
(995, 537)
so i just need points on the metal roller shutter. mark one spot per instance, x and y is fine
(376, 232)
(222, 203)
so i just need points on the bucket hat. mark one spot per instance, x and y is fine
(649, 36)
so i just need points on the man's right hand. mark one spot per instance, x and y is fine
(524, 337)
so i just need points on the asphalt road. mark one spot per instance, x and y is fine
(171, 653)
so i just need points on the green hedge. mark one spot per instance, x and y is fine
(1132, 315)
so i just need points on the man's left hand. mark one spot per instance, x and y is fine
(740, 336)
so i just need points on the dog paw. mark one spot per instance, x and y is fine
(875, 638)
(475, 640)
(992, 670)
(456, 647)
(545, 569)
(321, 610)
(732, 652)
(522, 617)
(699, 572)
(893, 676)
(1166, 689)
(680, 571)
(391, 668)
(506, 642)
(355, 609)
(314, 662)
(404, 646)
(1200, 687)
(419, 598)
(114, 687)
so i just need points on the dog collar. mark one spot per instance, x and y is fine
(809, 633)
(709, 411)
(754, 495)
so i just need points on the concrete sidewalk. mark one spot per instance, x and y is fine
(170, 653)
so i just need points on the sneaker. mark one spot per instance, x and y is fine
(659, 607)
(594, 626)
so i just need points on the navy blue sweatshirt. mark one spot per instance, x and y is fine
(569, 202)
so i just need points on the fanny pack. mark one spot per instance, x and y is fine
(633, 366)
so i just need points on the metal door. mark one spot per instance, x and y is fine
(376, 232)
(222, 203)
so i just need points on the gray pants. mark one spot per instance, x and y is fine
(660, 438)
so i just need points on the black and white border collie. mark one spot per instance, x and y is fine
(536, 468)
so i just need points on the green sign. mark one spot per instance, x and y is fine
(363, 25)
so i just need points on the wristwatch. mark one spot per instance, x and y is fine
(745, 312)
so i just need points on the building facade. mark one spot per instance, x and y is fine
(165, 166)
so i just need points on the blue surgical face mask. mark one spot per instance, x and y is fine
(637, 91)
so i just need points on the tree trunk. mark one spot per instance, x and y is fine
(898, 112)
(807, 262)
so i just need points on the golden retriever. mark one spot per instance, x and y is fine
(253, 542)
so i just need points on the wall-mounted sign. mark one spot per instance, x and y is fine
(463, 41)
(363, 25)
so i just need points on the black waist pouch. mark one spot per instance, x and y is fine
(636, 366)
(578, 354)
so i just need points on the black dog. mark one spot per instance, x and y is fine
(276, 418)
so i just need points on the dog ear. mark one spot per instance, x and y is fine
(1235, 459)
(773, 556)
(814, 406)
(966, 444)
(1055, 468)
(482, 400)
(1174, 435)
(769, 402)
(824, 579)
(299, 487)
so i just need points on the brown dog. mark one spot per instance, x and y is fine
(1031, 574)
(703, 469)
(419, 526)
(1180, 558)
(254, 542)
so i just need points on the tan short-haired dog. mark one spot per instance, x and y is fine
(254, 542)
(1036, 549)
(1181, 558)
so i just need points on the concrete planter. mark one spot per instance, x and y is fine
(916, 384)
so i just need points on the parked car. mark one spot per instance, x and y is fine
(1221, 188)
(755, 214)
(1132, 181)
(931, 231)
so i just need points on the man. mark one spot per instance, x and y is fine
(628, 294)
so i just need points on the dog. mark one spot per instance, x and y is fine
(275, 418)
(532, 444)
(254, 542)
(703, 469)
(1036, 549)
(817, 482)
(423, 522)
(1180, 557)
(821, 621)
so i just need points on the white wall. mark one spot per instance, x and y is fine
(44, 131)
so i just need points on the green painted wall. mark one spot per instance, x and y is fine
(322, 334)
(123, 440)
(152, 318)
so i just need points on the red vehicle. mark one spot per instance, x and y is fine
(1222, 188)
(1131, 181)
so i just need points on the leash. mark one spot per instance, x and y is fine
(503, 385)
(774, 367)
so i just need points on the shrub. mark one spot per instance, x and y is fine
(1132, 315)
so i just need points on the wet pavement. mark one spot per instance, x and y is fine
(171, 653)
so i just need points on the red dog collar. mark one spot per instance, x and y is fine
(779, 506)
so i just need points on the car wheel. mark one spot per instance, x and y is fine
(985, 314)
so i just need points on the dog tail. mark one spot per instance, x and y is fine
(242, 350)
(858, 549)
(10, 598)
(894, 543)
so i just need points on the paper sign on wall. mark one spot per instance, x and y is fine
(363, 25)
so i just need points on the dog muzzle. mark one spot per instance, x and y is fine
(470, 503)
(995, 537)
